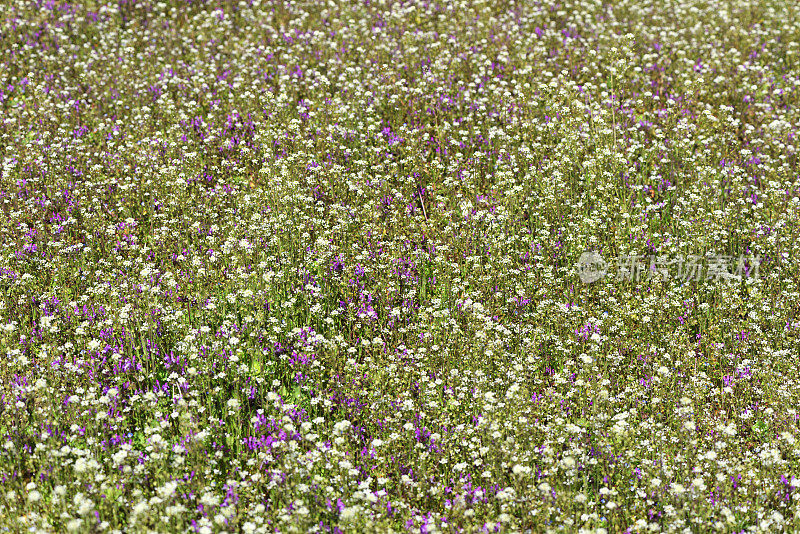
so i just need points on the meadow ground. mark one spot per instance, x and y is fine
(336, 267)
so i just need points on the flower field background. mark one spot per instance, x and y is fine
(310, 266)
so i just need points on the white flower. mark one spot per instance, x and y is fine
(85, 506)
(677, 489)
(233, 404)
(80, 465)
(342, 426)
(119, 456)
(349, 513)
(209, 499)
(167, 489)
(520, 469)
(512, 390)
(141, 507)
(506, 494)
(34, 497)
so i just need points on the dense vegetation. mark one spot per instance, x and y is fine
(311, 267)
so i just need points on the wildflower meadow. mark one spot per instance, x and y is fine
(399, 266)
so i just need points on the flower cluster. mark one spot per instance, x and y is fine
(308, 266)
